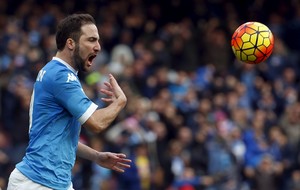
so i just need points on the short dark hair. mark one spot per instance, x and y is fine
(70, 27)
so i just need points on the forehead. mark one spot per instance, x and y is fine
(89, 30)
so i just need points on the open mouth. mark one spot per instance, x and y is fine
(91, 58)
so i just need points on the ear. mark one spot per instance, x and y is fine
(70, 44)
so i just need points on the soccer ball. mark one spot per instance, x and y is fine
(252, 42)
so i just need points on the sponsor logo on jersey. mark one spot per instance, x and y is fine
(71, 77)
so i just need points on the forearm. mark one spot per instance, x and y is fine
(86, 152)
(103, 117)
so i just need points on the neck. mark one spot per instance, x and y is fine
(66, 57)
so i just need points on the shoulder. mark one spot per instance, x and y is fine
(55, 67)
(57, 72)
(55, 77)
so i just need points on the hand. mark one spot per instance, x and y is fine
(113, 92)
(113, 161)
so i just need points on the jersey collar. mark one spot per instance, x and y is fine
(66, 64)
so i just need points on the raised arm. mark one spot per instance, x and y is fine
(103, 117)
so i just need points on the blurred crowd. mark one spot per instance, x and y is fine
(196, 118)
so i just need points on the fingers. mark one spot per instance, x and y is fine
(122, 164)
(120, 155)
(120, 167)
(109, 95)
(122, 158)
(126, 160)
(115, 87)
(108, 85)
(106, 92)
(112, 80)
(107, 100)
(113, 92)
(111, 86)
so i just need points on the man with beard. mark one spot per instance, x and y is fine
(59, 108)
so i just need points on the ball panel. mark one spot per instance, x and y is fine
(262, 49)
(243, 57)
(269, 49)
(251, 58)
(253, 39)
(250, 30)
(258, 53)
(247, 45)
(239, 43)
(267, 42)
(245, 37)
(239, 55)
(260, 59)
(265, 34)
(260, 40)
(249, 51)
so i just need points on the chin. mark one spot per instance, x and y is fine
(87, 69)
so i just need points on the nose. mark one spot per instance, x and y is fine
(97, 47)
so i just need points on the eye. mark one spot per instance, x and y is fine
(93, 39)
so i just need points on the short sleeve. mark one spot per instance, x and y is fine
(69, 93)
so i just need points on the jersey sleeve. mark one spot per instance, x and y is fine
(69, 93)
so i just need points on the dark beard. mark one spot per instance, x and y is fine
(79, 62)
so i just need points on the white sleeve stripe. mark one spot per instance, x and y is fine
(87, 113)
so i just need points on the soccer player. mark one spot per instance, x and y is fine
(58, 109)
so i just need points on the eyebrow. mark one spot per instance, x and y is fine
(93, 38)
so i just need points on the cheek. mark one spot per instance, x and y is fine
(83, 53)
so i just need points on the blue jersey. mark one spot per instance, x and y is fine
(58, 108)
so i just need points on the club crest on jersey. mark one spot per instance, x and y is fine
(71, 77)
